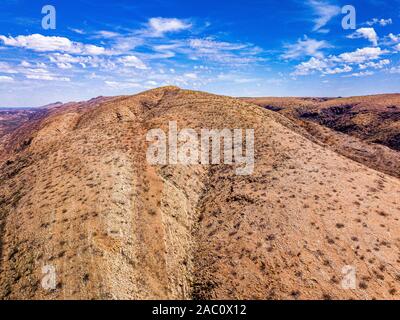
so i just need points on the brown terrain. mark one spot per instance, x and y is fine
(10, 119)
(77, 194)
(365, 129)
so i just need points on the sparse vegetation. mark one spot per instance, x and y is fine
(80, 196)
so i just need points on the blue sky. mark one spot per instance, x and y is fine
(238, 48)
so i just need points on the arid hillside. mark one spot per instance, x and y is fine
(365, 129)
(10, 119)
(77, 196)
(372, 118)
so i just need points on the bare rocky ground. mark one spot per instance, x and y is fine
(374, 119)
(11, 119)
(77, 193)
(365, 129)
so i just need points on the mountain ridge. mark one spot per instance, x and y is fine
(78, 194)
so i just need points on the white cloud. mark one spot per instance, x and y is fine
(308, 67)
(42, 73)
(208, 45)
(25, 64)
(122, 85)
(67, 60)
(159, 26)
(397, 47)
(125, 43)
(343, 62)
(220, 51)
(7, 68)
(6, 79)
(132, 61)
(307, 47)
(46, 77)
(362, 55)
(391, 39)
(381, 22)
(78, 31)
(344, 69)
(64, 61)
(366, 33)
(64, 66)
(324, 12)
(394, 37)
(165, 51)
(190, 75)
(40, 43)
(152, 83)
(395, 70)
(107, 34)
(361, 74)
(375, 65)
(33, 71)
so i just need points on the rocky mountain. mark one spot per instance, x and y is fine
(365, 129)
(79, 200)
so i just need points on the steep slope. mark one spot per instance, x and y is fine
(373, 118)
(78, 195)
(365, 129)
(10, 119)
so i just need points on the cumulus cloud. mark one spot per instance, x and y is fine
(338, 70)
(362, 55)
(132, 62)
(394, 37)
(40, 43)
(34, 71)
(40, 72)
(366, 33)
(308, 67)
(323, 12)
(306, 47)
(66, 61)
(158, 27)
(375, 65)
(343, 63)
(361, 74)
(64, 66)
